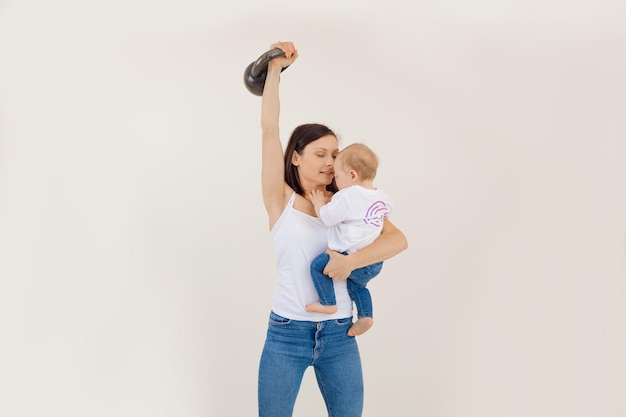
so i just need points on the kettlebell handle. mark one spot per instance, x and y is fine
(255, 74)
(260, 65)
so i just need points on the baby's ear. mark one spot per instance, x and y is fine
(354, 176)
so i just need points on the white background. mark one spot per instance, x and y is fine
(136, 267)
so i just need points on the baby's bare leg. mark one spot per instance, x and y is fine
(361, 326)
(320, 308)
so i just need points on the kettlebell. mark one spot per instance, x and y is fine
(255, 74)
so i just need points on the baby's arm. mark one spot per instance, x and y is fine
(319, 199)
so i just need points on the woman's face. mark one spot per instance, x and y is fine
(315, 163)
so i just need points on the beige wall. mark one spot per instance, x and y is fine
(135, 263)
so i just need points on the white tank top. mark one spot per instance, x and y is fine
(298, 239)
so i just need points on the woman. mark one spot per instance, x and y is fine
(297, 339)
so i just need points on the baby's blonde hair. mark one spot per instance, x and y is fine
(360, 158)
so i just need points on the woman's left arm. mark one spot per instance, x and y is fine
(390, 243)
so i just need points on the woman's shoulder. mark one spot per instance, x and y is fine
(303, 204)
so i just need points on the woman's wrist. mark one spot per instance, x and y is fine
(274, 67)
(352, 261)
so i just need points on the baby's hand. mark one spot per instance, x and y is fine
(318, 197)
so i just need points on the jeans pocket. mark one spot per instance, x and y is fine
(277, 320)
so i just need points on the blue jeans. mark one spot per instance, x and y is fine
(291, 346)
(357, 281)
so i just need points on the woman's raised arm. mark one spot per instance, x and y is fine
(272, 163)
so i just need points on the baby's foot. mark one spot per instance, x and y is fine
(361, 326)
(320, 308)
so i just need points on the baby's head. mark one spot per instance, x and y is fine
(355, 164)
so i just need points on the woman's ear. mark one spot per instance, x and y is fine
(295, 159)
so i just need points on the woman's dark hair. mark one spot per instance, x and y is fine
(300, 137)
